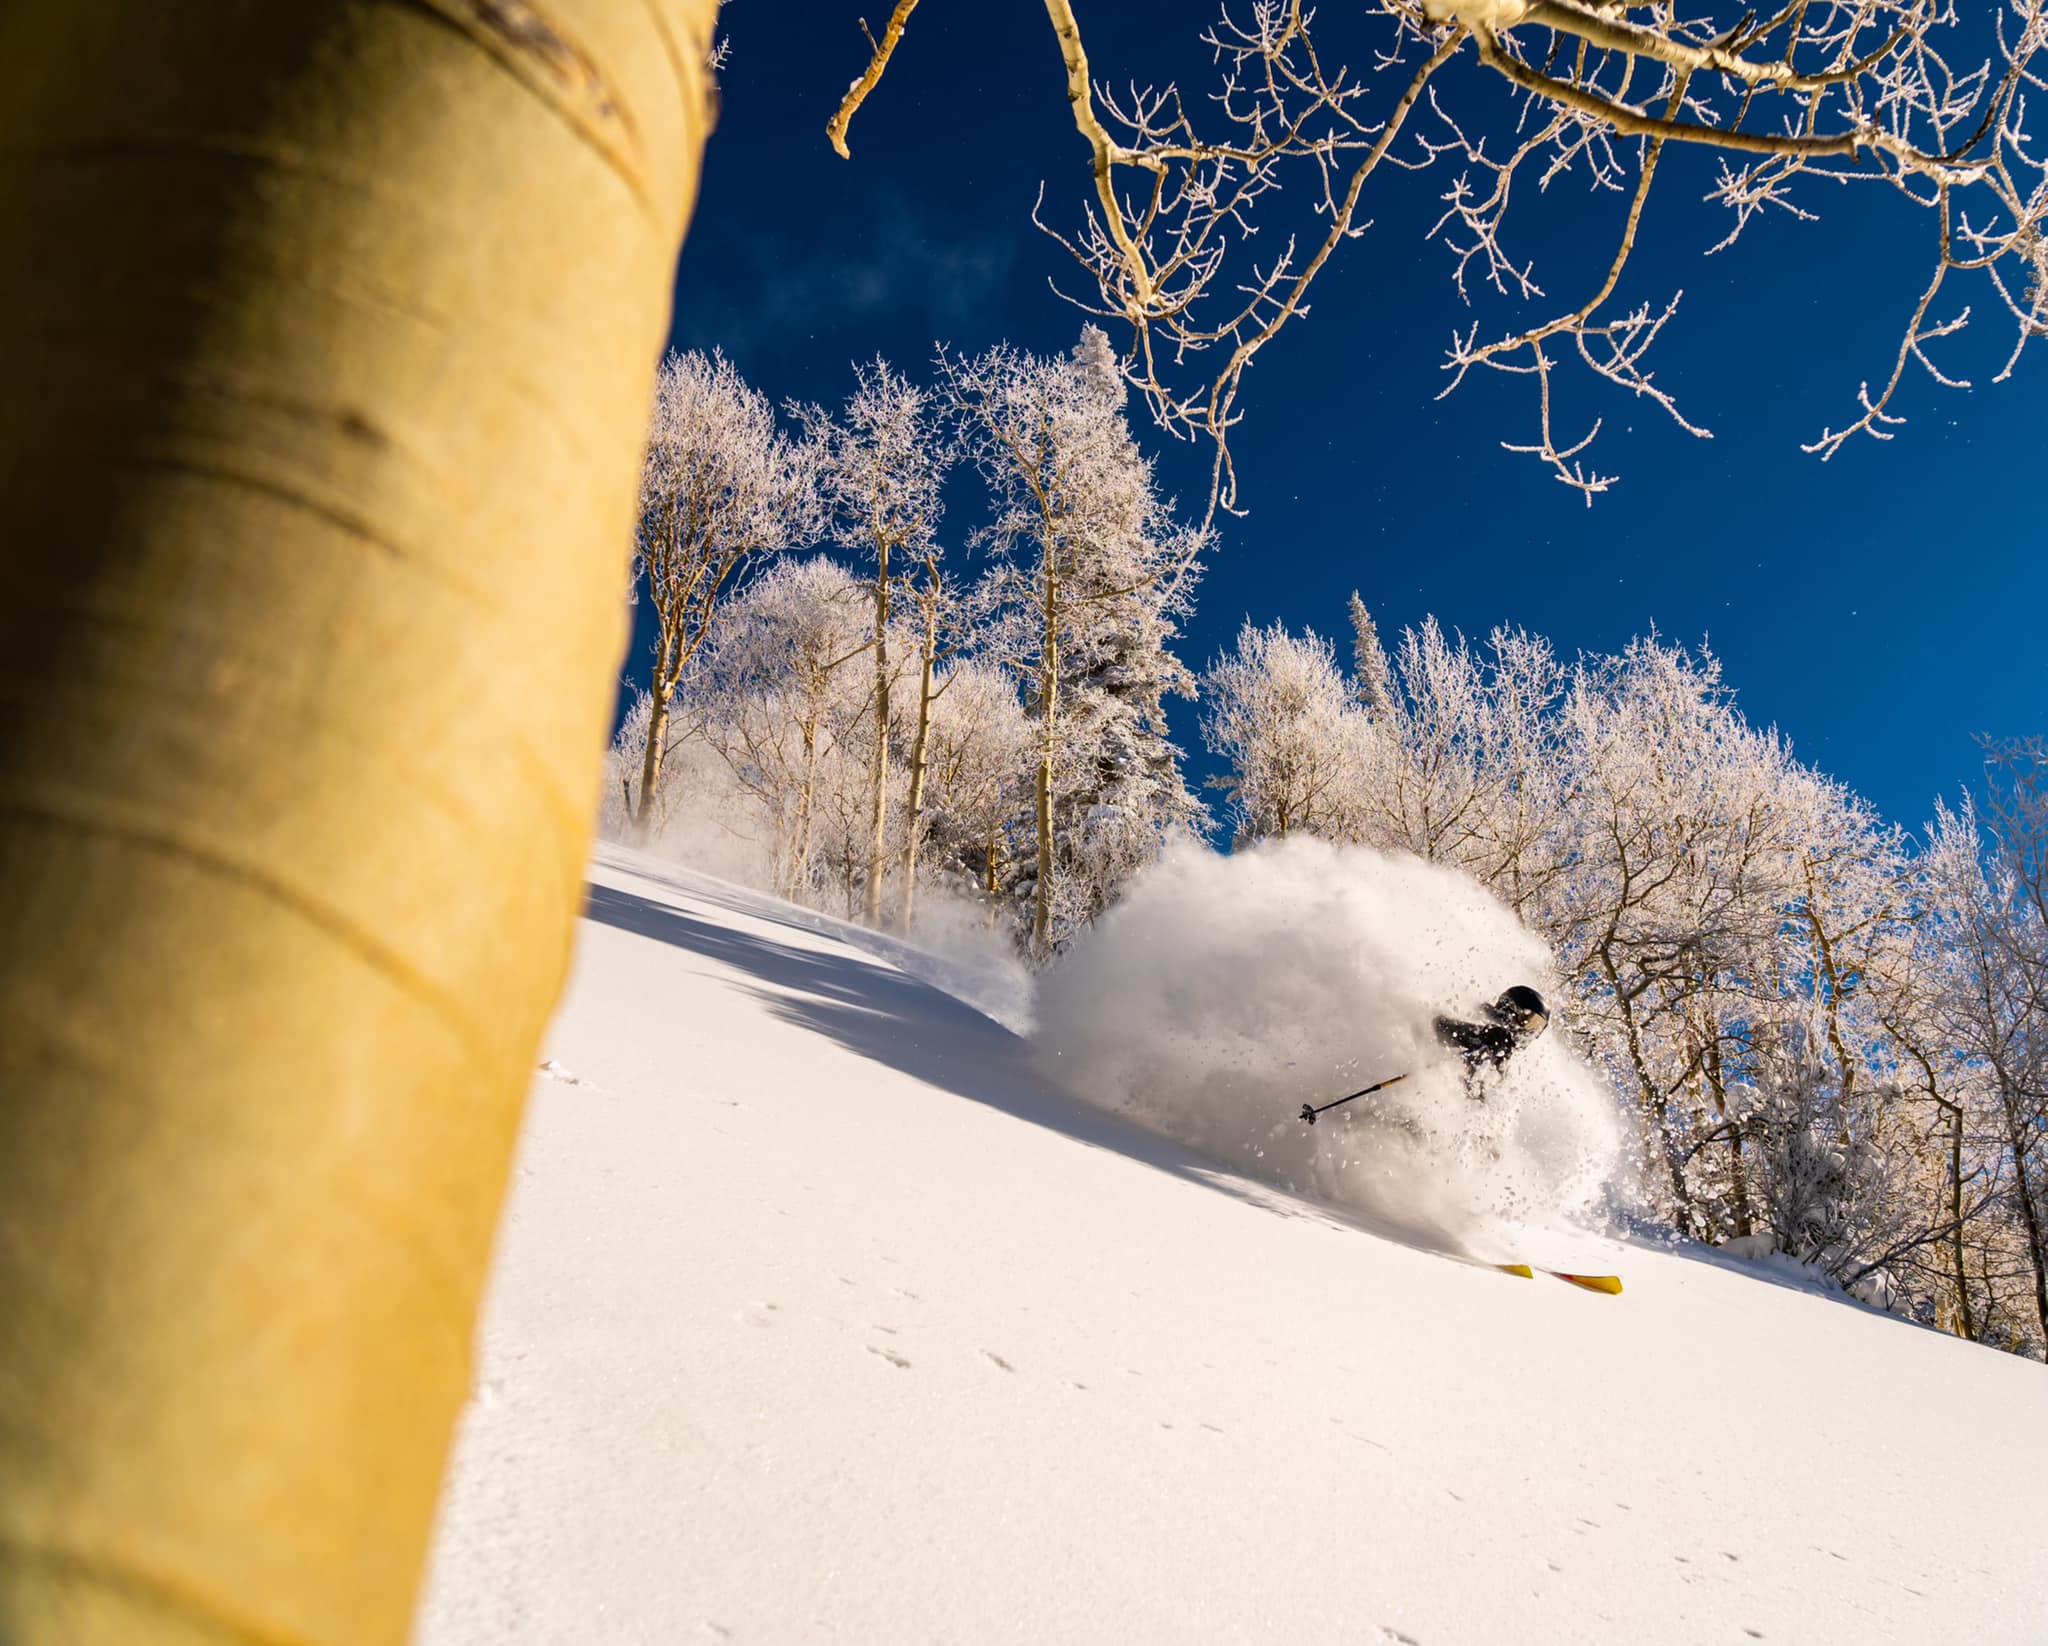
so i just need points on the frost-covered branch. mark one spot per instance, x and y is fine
(857, 93)
(1916, 95)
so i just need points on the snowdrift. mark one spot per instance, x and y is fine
(819, 1314)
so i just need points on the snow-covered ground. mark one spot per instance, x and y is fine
(819, 1317)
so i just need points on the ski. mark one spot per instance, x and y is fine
(1607, 1285)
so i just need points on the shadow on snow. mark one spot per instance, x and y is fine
(885, 1015)
(888, 1017)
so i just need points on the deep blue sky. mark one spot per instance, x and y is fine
(1879, 609)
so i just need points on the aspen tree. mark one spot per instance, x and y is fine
(981, 750)
(1079, 529)
(773, 703)
(329, 331)
(1294, 736)
(882, 465)
(720, 487)
(938, 610)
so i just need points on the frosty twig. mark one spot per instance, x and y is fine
(1905, 93)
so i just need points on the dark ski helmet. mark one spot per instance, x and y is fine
(1522, 1010)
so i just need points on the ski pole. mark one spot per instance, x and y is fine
(1309, 1114)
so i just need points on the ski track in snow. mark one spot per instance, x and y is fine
(817, 1316)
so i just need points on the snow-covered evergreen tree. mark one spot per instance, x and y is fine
(1093, 574)
(1372, 679)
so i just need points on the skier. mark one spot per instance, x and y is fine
(1513, 1020)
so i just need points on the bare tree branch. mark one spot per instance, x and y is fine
(857, 93)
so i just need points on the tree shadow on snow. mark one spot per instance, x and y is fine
(884, 1015)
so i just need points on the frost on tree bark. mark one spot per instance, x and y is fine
(330, 328)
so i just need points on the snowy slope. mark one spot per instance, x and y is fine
(817, 1317)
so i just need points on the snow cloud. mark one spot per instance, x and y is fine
(1224, 992)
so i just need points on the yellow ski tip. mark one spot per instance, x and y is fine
(1521, 1269)
(1610, 1284)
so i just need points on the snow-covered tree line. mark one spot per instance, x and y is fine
(984, 712)
(1834, 1037)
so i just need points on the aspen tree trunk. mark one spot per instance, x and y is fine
(330, 329)
(2030, 1216)
(1048, 709)
(1833, 1004)
(1738, 1175)
(1656, 1133)
(1964, 1313)
(800, 858)
(878, 766)
(920, 746)
(650, 762)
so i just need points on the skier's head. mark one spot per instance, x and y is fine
(1523, 1011)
